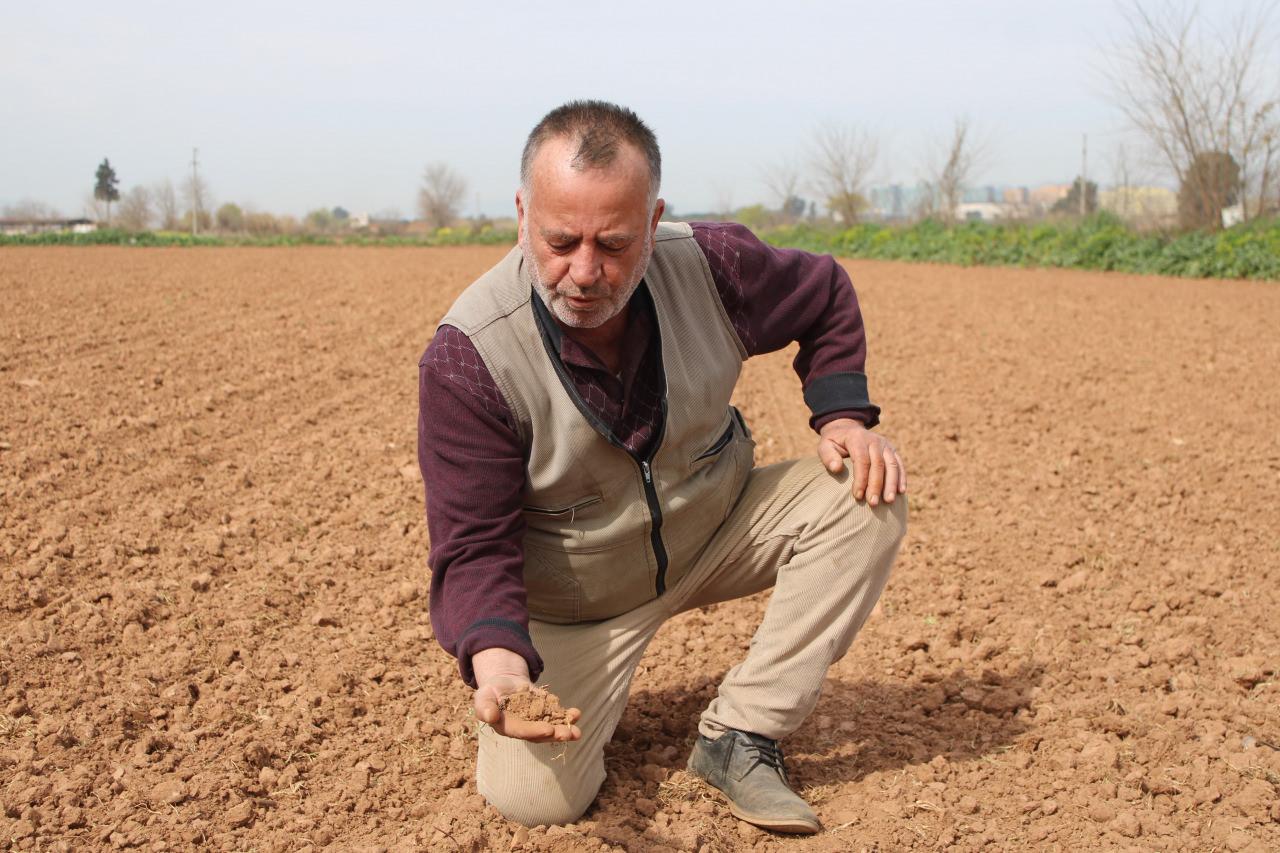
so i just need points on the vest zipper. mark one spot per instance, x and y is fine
(655, 534)
(545, 323)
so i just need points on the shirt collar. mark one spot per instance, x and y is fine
(640, 326)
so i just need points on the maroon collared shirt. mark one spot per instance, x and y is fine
(473, 463)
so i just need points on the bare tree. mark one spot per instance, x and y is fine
(723, 193)
(842, 159)
(951, 171)
(783, 182)
(230, 217)
(136, 211)
(94, 208)
(1194, 89)
(389, 220)
(441, 194)
(165, 199)
(29, 208)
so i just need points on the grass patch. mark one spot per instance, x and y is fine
(1099, 242)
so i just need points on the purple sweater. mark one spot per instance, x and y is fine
(473, 463)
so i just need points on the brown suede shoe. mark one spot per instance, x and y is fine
(749, 770)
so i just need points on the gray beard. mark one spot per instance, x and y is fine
(611, 306)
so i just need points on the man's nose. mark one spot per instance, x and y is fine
(584, 268)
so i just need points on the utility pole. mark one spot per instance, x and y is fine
(1084, 176)
(195, 194)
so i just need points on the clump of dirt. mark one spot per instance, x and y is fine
(536, 705)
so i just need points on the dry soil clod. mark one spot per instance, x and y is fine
(536, 705)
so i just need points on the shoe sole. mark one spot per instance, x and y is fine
(791, 827)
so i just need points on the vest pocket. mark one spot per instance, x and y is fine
(565, 524)
(564, 586)
(720, 444)
(708, 457)
(553, 595)
(568, 512)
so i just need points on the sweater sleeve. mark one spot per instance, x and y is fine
(473, 470)
(776, 296)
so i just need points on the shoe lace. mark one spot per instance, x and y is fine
(767, 753)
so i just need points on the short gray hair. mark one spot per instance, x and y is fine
(598, 127)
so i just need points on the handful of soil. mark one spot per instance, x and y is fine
(535, 705)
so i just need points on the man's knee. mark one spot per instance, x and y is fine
(891, 521)
(886, 522)
(858, 535)
(539, 799)
(537, 784)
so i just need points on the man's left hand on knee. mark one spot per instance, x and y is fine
(877, 469)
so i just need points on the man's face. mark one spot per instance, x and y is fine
(587, 234)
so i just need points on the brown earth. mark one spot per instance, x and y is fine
(213, 628)
(536, 706)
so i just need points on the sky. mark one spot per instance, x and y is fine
(299, 106)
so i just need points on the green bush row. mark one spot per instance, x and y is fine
(1100, 242)
(115, 237)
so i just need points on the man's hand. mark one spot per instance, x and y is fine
(500, 673)
(878, 471)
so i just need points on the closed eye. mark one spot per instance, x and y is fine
(563, 245)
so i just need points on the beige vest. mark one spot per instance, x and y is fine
(607, 531)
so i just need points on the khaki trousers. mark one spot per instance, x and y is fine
(796, 528)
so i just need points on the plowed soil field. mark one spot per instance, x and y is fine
(213, 626)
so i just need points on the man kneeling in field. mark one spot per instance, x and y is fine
(587, 478)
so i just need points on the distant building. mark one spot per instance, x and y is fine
(981, 195)
(1151, 205)
(1016, 202)
(12, 227)
(1044, 197)
(1016, 196)
(895, 202)
(358, 220)
(887, 202)
(980, 211)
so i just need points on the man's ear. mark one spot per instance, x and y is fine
(658, 209)
(520, 215)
